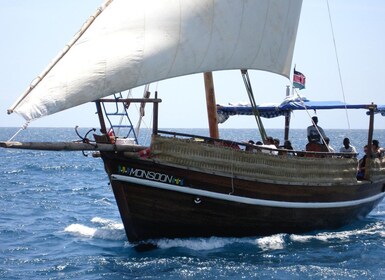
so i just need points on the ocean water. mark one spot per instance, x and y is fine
(59, 220)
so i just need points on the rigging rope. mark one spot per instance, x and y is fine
(22, 128)
(141, 112)
(338, 63)
(314, 124)
(249, 89)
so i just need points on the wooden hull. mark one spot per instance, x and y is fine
(159, 200)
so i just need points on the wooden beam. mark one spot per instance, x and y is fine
(71, 146)
(131, 100)
(211, 105)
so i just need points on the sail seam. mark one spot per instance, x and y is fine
(264, 30)
(238, 35)
(211, 34)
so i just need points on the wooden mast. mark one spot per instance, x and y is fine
(287, 117)
(370, 139)
(211, 104)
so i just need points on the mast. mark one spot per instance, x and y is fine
(211, 104)
(370, 138)
(287, 117)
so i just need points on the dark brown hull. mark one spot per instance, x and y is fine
(157, 201)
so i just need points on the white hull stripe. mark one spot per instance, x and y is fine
(245, 200)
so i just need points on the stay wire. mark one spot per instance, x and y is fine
(311, 119)
(338, 63)
(249, 89)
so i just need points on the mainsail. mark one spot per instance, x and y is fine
(132, 43)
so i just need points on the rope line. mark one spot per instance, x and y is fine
(338, 63)
(311, 119)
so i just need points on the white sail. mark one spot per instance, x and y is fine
(132, 43)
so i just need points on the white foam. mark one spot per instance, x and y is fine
(107, 223)
(273, 242)
(196, 244)
(377, 228)
(112, 230)
(81, 230)
(105, 229)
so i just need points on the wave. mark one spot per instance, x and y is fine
(112, 230)
(273, 242)
(108, 229)
(195, 244)
(377, 228)
(105, 229)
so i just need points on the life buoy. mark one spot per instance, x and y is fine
(145, 153)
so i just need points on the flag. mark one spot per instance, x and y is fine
(299, 80)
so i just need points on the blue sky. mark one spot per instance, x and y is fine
(34, 31)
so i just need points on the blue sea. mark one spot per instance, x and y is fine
(59, 220)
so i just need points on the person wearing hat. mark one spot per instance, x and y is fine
(314, 132)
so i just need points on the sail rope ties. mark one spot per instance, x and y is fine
(22, 128)
(338, 64)
(141, 109)
(249, 89)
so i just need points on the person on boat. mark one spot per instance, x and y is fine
(347, 148)
(249, 146)
(269, 143)
(285, 148)
(361, 165)
(276, 142)
(314, 132)
(287, 145)
(377, 150)
(330, 147)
